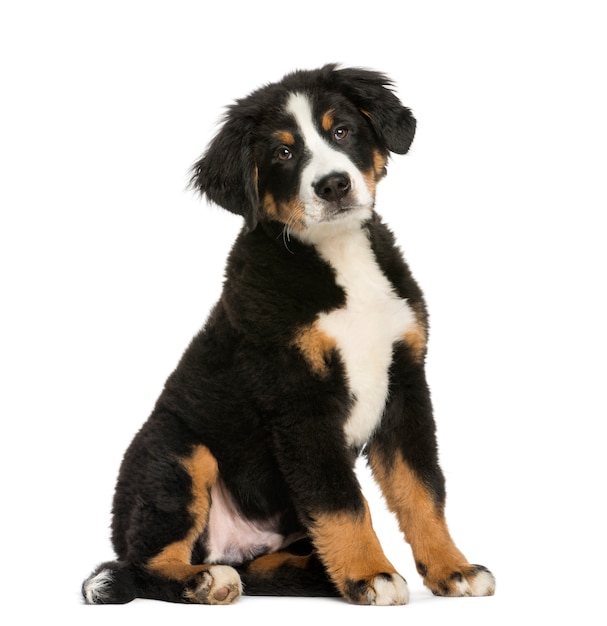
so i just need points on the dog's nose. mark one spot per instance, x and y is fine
(332, 187)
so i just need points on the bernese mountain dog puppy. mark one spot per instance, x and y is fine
(243, 478)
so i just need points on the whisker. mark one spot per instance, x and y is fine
(286, 234)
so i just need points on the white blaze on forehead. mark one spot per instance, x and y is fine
(324, 160)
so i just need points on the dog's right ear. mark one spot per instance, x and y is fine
(226, 173)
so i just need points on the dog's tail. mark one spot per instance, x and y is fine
(119, 582)
(111, 583)
(114, 582)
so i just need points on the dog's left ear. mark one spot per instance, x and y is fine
(226, 173)
(371, 93)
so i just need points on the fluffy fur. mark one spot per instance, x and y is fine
(243, 475)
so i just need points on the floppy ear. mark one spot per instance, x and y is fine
(371, 93)
(226, 173)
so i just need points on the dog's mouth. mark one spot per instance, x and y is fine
(341, 210)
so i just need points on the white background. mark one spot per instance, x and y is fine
(109, 266)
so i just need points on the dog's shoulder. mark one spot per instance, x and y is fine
(391, 260)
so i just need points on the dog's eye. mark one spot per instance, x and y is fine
(284, 154)
(340, 133)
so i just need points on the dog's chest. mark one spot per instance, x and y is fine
(365, 330)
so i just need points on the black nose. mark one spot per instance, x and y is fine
(332, 187)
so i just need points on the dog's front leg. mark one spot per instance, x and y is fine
(354, 559)
(404, 460)
(327, 495)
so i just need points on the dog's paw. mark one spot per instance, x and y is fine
(472, 580)
(220, 584)
(381, 590)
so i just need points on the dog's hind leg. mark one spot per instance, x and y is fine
(156, 530)
(118, 582)
(206, 584)
(287, 574)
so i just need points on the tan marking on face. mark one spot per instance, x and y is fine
(349, 547)
(376, 173)
(419, 518)
(379, 163)
(370, 181)
(286, 137)
(328, 120)
(269, 562)
(292, 214)
(316, 347)
(173, 561)
(268, 206)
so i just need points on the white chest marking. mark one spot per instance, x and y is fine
(365, 330)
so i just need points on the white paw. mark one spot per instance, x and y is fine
(473, 580)
(220, 584)
(482, 584)
(388, 590)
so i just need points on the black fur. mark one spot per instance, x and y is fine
(242, 388)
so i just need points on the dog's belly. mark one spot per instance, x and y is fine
(365, 330)
(231, 539)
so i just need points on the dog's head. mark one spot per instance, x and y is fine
(307, 150)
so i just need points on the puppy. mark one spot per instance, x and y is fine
(243, 476)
